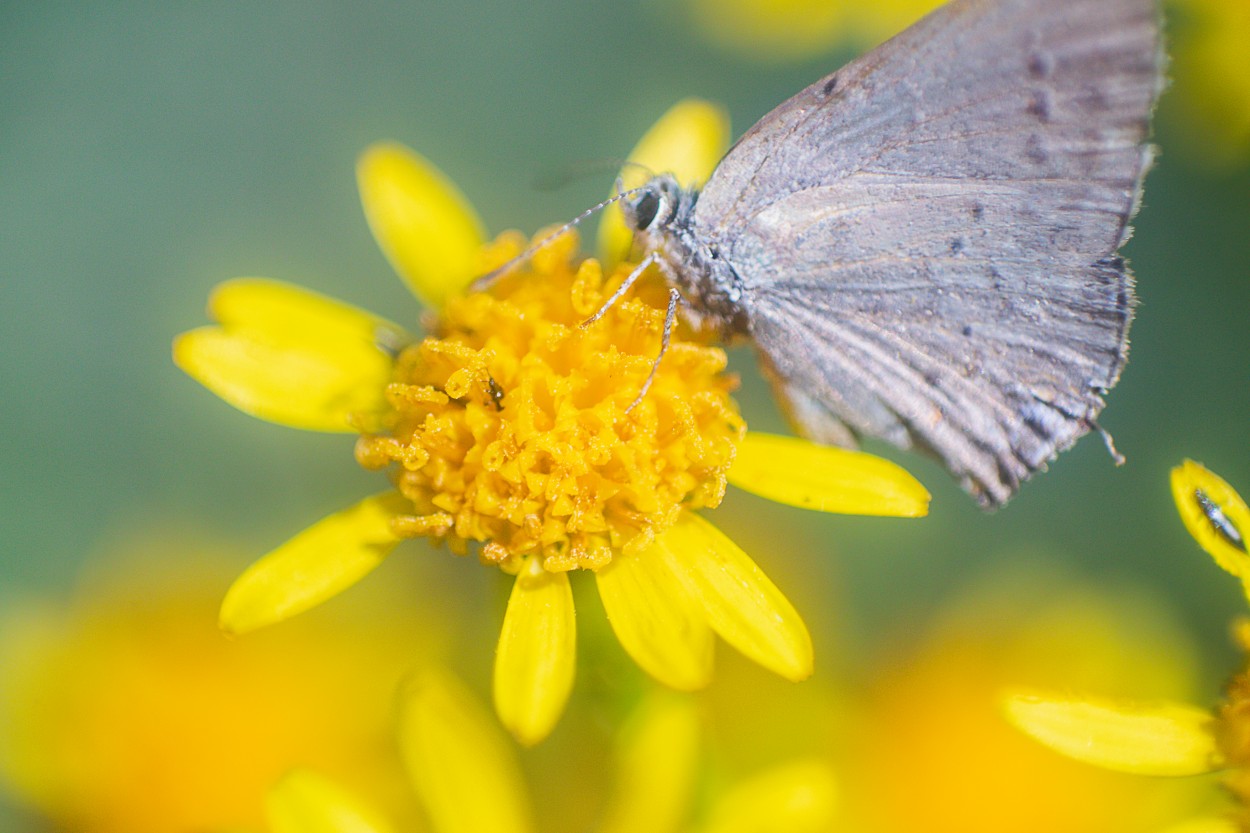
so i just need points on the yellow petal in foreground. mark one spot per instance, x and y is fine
(422, 222)
(740, 603)
(656, 760)
(795, 798)
(537, 653)
(687, 142)
(656, 620)
(1146, 739)
(319, 563)
(463, 768)
(799, 473)
(304, 802)
(1214, 514)
(291, 356)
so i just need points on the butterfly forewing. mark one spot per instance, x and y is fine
(927, 239)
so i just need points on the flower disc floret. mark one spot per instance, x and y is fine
(517, 426)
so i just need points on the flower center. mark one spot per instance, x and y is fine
(515, 427)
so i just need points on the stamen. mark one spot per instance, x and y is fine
(510, 438)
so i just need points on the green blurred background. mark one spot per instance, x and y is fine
(151, 150)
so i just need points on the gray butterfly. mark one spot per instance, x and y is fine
(923, 244)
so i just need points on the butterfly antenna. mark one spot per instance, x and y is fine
(566, 174)
(485, 281)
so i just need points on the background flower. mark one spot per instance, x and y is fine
(913, 725)
(1207, 111)
(1140, 733)
(932, 747)
(125, 710)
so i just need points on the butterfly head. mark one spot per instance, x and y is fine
(653, 205)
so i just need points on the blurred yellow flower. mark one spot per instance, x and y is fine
(776, 30)
(517, 428)
(1207, 109)
(1210, 99)
(1162, 737)
(127, 711)
(930, 749)
(444, 734)
(305, 801)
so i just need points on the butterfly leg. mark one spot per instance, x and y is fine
(621, 290)
(669, 317)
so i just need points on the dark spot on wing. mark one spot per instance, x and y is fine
(1040, 65)
(967, 330)
(978, 213)
(1115, 263)
(830, 85)
(1093, 99)
(1039, 105)
(1034, 152)
(957, 245)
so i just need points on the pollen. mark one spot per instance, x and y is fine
(516, 429)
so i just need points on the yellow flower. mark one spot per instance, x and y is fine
(787, 30)
(305, 801)
(518, 431)
(1207, 110)
(930, 748)
(1210, 100)
(1164, 737)
(127, 711)
(444, 735)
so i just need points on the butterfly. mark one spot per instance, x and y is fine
(922, 246)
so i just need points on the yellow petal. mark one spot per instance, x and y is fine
(656, 760)
(537, 653)
(424, 225)
(687, 142)
(1209, 824)
(291, 356)
(794, 798)
(656, 620)
(1147, 739)
(1214, 514)
(319, 563)
(296, 313)
(463, 768)
(800, 473)
(741, 604)
(303, 802)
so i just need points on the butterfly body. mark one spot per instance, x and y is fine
(923, 244)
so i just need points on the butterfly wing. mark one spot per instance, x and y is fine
(927, 238)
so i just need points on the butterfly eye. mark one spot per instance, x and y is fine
(645, 209)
